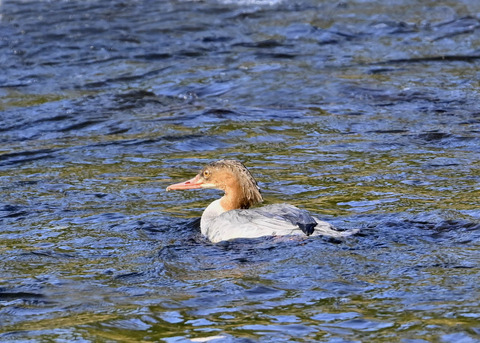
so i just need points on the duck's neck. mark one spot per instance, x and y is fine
(233, 199)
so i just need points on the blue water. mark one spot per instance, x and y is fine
(364, 113)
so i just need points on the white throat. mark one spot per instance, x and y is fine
(211, 212)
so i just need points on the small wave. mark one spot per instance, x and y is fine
(252, 2)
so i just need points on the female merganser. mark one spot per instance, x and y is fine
(230, 217)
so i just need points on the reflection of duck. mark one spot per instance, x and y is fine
(229, 217)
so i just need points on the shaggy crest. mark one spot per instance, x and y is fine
(247, 182)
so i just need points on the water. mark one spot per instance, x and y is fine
(364, 113)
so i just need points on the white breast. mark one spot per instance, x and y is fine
(212, 211)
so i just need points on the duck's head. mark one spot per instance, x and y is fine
(230, 176)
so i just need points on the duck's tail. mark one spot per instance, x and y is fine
(326, 229)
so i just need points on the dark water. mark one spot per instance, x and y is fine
(364, 112)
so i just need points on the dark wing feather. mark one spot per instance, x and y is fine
(290, 213)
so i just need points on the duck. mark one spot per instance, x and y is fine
(232, 217)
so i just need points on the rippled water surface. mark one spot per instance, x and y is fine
(364, 112)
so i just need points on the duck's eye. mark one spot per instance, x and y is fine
(206, 174)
